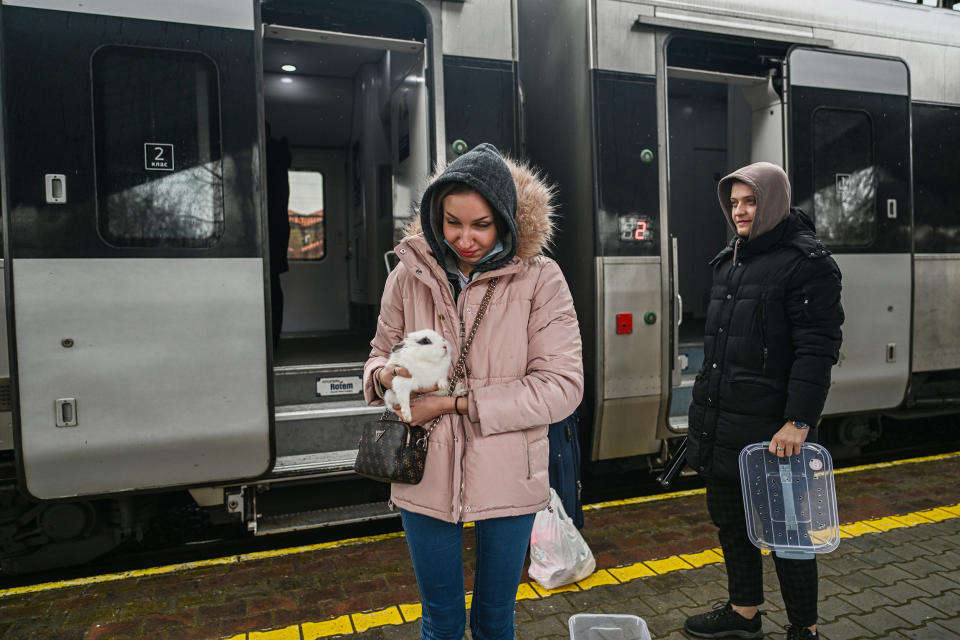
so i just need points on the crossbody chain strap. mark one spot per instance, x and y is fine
(459, 369)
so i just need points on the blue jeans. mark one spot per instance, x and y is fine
(436, 548)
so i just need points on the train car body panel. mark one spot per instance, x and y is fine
(480, 30)
(632, 52)
(874, 364)
(936, 313)
(168, 321)
(631, 354)
(215, 13)
(6, 416)
(135, 272)
(558, 122)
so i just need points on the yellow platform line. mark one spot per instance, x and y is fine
(260, 555)
(399, 614)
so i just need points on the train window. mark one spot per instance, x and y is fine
(305, 210)
(936, 137)
(479, 101)
(845, 178)
(628, 180)
(158, 158)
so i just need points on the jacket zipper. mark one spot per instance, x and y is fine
(763, 334)
(463, 454)
(463, 444)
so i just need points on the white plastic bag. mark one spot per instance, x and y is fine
(558, 553)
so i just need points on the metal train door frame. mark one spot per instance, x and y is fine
(670, 367)
(133, 219)
(860, 194)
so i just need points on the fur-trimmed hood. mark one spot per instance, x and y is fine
(533, 218)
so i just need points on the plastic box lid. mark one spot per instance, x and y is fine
(604, 626)
(790, 502)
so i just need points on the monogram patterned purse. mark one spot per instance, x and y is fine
(391, 450)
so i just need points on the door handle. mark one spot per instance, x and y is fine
(386, 259)
(66, 409)
(677, 369)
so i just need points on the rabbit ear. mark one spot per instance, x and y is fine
(397, 347)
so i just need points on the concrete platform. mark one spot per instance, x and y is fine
(896, 575)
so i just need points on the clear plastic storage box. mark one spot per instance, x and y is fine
(790, 502)
(603, 626)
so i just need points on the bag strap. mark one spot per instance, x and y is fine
(458, 371)
(460, 368)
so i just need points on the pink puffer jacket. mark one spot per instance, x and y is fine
(524, 369)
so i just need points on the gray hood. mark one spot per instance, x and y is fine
(772, 189)
(483, 169)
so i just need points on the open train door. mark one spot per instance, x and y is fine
(132, 221)
(849, 162)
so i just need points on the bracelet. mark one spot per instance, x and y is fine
(456, 405)
(377, 383)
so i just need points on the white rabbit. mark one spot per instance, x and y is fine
(426, 355)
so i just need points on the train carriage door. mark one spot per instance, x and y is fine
(849, 161)
(132, 219)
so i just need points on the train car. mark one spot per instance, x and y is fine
(137, 230)
(139, 139)
(659, 99)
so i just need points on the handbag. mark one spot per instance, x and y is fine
(390, 450)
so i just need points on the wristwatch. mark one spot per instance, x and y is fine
(800, 425)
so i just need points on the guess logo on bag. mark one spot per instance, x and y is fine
(380, 433)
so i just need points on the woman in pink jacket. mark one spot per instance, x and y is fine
(482, 217)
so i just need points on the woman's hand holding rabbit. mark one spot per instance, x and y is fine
(389, 372)
(424, 407)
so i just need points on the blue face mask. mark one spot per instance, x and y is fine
(497, 248)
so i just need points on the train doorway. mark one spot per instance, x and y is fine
(842, 134)
(724, 110)
(351, 110)
(346, 99)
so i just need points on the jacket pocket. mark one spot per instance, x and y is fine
(526, 447)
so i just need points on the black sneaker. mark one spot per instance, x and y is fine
(723, 622)
(800, 633)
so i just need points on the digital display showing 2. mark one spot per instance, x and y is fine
(634, 228)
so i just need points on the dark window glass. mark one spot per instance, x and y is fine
(159, 170)
(479, 103)
(936, 138)
(845, 178)
(626, 147)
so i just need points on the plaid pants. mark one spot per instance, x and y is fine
(798, 578)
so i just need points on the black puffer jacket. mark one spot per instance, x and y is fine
(772, 336)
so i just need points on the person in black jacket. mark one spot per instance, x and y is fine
(772, 336)
(278, 161)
